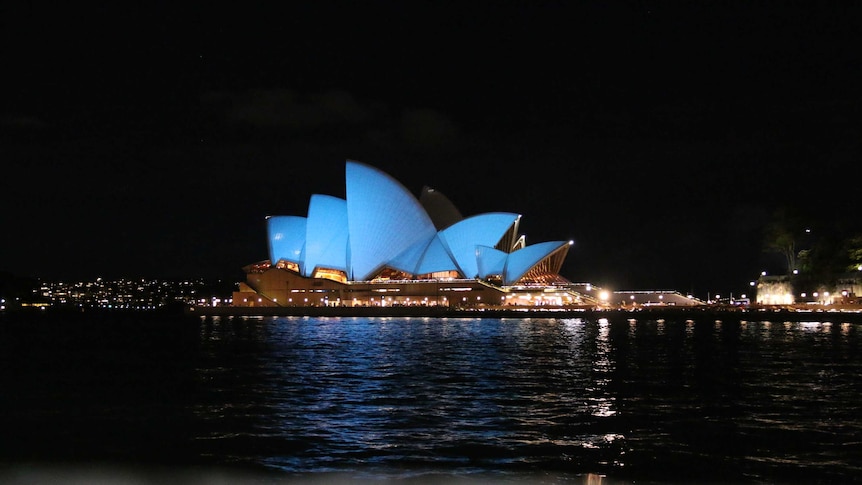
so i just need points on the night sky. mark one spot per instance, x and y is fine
(659, 136)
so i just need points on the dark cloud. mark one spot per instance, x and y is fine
(288, 109)
(334, 118)
(22, 122)
(427, 128)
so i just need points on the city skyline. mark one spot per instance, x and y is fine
(659, 138)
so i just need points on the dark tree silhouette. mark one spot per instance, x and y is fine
(782, 235)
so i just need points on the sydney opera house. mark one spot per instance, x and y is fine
(383, 246)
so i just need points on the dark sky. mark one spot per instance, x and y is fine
(659, 136)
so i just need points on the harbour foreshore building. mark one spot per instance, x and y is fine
(381, 246)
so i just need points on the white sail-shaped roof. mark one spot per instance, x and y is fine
(520, 261)
(384, 219)
(462, 238)
(286, 236)
(440, 209)
(326, 234)
(436, 258)
(409, 259)
(490, 261)
(381, 224)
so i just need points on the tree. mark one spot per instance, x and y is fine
(835, 251)
(853, 247)
(781, 235)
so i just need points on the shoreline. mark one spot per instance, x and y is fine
(701, 313)
(652, 313)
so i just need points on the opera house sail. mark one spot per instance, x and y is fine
(382, 246)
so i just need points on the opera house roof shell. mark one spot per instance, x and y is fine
(380, 225)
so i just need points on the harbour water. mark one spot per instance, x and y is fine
(530, 400)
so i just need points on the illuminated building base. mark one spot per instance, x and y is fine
(281, 287)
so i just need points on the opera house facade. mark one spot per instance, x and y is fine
(382, 246)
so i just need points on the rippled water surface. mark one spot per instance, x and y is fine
(551, 400)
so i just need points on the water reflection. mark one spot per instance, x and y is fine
(471, 393)
(571, 399)
(600, 399)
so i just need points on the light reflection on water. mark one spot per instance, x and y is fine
(471, 394)
(573, 399)
(707, 399)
